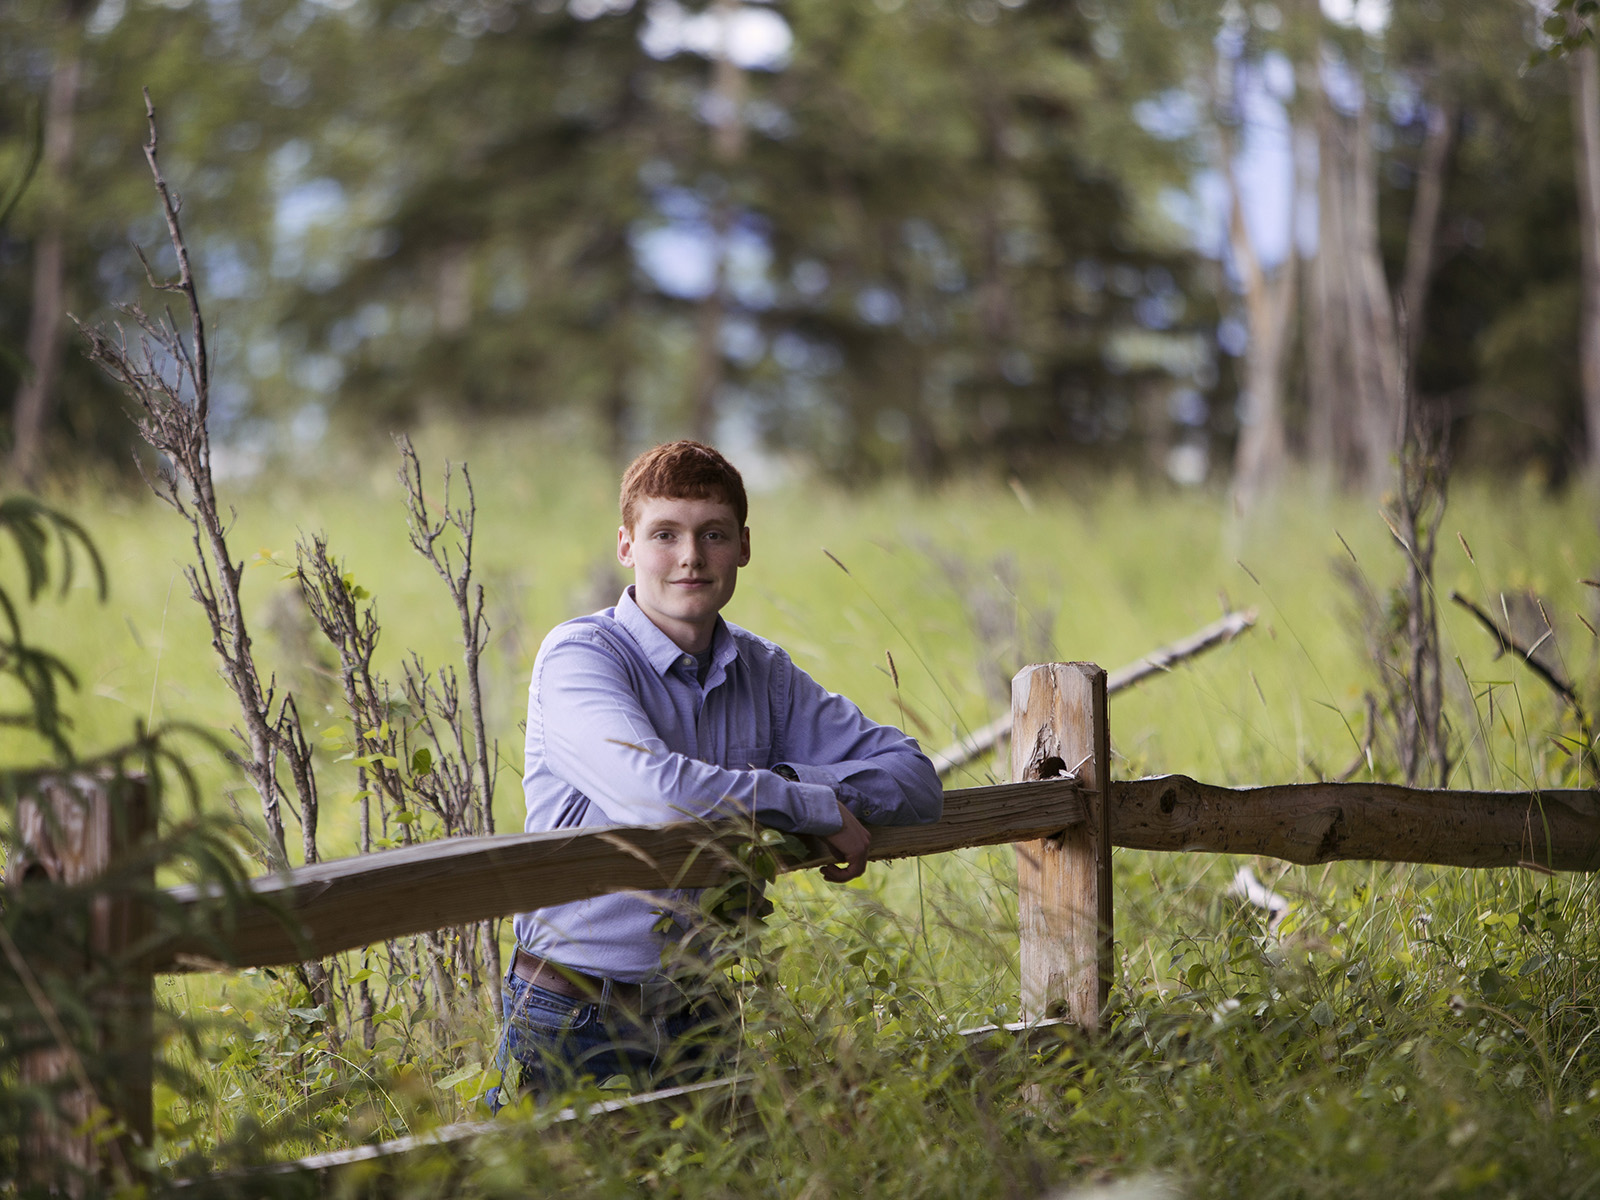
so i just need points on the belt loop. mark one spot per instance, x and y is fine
(605, 992)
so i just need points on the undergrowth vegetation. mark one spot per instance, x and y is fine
(1403, 1030)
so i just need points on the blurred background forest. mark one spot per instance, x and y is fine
(867, 237)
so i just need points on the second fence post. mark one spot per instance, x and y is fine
(1058, 727)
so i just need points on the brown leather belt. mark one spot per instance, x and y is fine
(575, 985)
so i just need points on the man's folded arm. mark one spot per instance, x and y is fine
(878, 771)
(597, 738)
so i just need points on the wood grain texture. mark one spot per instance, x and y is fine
(1326, 822)
(72, 830)
(1058, 717)
(322, 909)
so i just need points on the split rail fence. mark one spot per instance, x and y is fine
(1063, 812)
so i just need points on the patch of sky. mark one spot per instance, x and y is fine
(1369, 16)
(107, 16)
(768, 118)
(288, 160)
(1233, 336)
(302, 209)
(318, 372)
(309, 424)
(750, 36)
(877, 305)
(799, 355)
(1127, 280)
(374, 320)
(344, 336)
(1340, 84)
(680, 257)
(1404, 99)
(810, 278)
(263, 357)
(1162, 310)
(741, 340)
(1171, 115)
(227, 275)
(1106, 40)
(230, 400)
(739, 436)
(1188, 463)
(593, 10)
(1186, 406)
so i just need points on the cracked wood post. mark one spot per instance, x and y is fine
(1058, 719)
(73, 830)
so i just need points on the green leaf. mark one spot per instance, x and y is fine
(471, 1071)
(1322, 1013)
(422, 761)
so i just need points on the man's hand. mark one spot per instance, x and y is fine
(848, 846)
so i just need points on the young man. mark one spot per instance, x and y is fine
(659, 710)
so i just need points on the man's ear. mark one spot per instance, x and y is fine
(744, 546)
(625, 547)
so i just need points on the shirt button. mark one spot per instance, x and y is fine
(688, 660)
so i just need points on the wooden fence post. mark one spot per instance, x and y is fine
(73, 830)
(1058, 720)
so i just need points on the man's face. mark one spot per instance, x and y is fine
(685, 557)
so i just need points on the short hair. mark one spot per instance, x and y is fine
(682, 470)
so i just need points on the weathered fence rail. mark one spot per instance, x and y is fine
(315, 911)
(1064, 814)
(1556, 829)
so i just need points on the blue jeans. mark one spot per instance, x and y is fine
(555, 1041)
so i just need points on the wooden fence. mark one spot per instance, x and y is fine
(1063, 812)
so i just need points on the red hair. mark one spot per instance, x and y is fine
(682, 470)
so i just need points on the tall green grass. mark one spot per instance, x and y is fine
(1408, 1030)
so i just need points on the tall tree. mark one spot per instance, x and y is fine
(1585, 68)
(47, 310)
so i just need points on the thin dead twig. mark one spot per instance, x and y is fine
(1156, 662)
(1508, 643)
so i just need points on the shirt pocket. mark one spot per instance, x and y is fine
(742, 757)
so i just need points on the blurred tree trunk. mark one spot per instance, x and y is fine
(1423, 231)
(1354, 353)
(1269, 307)
(35, 397)
(1586, 131)
(727, 144)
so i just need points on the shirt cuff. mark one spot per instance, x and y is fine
(817, 807)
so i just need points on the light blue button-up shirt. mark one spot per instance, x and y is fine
(621, 732)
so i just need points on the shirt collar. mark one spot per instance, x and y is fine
(660, 651)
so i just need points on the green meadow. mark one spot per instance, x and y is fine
(1406, 1030)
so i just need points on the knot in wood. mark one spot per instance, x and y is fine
(1169, 800)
